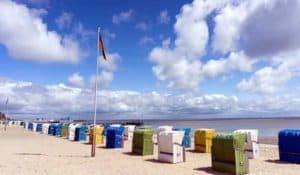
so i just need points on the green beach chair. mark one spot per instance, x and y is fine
(142, 143)
(64, 130)
(228, 153)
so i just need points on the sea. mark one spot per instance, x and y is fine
(266, 126)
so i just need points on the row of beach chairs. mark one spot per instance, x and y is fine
(230, 152)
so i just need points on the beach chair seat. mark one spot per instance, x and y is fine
(64, 130)
(51, 129)
(170, 148)
(228, 153)
(34, 127)
(98, 135)
(203, 140)
(128, 132)
(71, 130)
(142, 143)
(251, 148)
(80, 133)
(114, 137)
(289, 145)
(186, 141)
(39, 127)
(26, 125)
(45, 128)
(57, 130)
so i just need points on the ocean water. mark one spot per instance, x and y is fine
(266, 127)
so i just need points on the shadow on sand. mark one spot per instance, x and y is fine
(39, 154)
(193, 151)
(277, 161)
(131, 154)
(209, 170)
(157, 161)
(31, 154)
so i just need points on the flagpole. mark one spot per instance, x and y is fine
(93, 152)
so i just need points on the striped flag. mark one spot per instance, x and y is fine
(101, 46)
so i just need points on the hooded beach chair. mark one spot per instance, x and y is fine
(203, 140)
(142, 143)
(98, 134)
(128, 132)
(228, 153)
(114, 137)
(289, 145)
(80, 133)
(186, 141)
(170, 148)
(252, 149)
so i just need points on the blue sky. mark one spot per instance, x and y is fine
(134, 69)
(224, 57)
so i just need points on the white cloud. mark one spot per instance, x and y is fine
(245, 33)
(27, 99)
(107, 69)
(263, 30)
(37, 3)
(146, 40)
(82, 33)
(111, 64)
(105, 78)
(125, 16)
(259, 28)
(142, 26)
(34, 41)
(179, 72)
(76, 80)
(30, 100)
(235, 61)
(64, 20)
(109, 34)
(266, 80)
(180, 65)
(228, 22)
(271, 29)
(164, 17)
(269, 80)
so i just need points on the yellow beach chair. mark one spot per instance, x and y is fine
(203, 140)
(99, 137)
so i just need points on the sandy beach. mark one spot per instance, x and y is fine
(26, 153)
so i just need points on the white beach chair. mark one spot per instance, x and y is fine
(128, 132)
(164, 128)
(252, 148)
(170, 148)
(45, 128)
(71, 130)
(34, 127)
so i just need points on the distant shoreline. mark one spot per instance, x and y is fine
(205, 119)
(179, 119)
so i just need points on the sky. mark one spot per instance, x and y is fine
(166, 59)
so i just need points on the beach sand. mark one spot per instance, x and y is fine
(27, 153)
